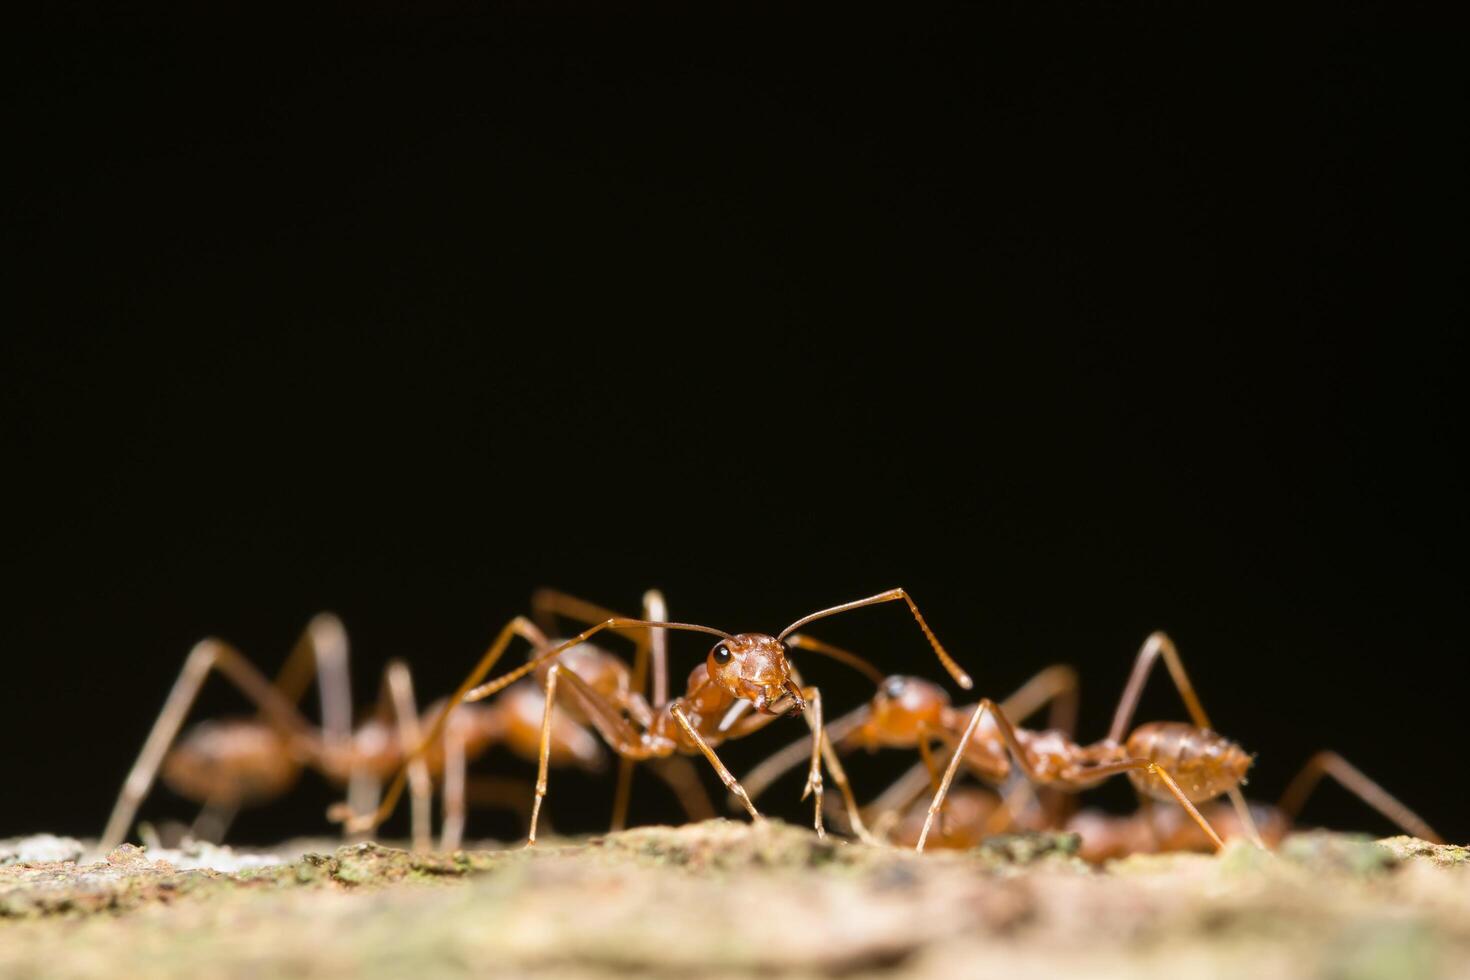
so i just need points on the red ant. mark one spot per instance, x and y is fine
(232, 763)
(742, 671)
(1158, 757)
(908, 712)
(971, 815)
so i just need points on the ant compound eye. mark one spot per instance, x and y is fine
(721, 654)
(894, 687)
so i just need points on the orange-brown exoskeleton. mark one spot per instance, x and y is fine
(520, 708)
(1107, 836)
(745, 682)
(911, 713)
(1186, 763)
(1168, 761)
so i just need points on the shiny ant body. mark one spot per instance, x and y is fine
(742, 673)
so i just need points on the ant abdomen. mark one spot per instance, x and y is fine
(231, 761)
(1203, 763)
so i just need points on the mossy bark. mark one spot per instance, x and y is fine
(731, 899)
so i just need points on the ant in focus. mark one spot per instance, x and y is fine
(741, 673)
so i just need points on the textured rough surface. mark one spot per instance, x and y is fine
(733, 900)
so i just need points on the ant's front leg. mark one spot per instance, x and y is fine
(726, 776)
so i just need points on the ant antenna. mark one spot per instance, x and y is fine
(960, 677)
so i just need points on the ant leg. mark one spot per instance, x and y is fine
(213, 821)
(364, 790)
(354, 818)
(937, 804)
(926, 738)
(814, 774)
(960, 677)
(451, 835)
(1159, 644)
(544, 761)
(822, 751)
(1015, 750)
(322, 650)
(657, 647)
(622, 795)
(612, 726)
(421, 788)
(656, 609)
(1098, 773)
(1354, 781)
(206, 656)
(469, 691)
(726, 777)
(890, 804)
(849, 802)
(1055, 686)
(547, 605)
(759, 779)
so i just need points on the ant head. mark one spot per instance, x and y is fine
(753, 666)
(901, 707)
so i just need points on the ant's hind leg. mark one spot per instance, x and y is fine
(1354, 781)
(207, 655)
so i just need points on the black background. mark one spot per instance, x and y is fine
(1076, 323)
